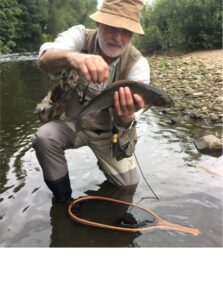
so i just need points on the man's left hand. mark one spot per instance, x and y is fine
(125, 105)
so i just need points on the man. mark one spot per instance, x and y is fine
(100, 57)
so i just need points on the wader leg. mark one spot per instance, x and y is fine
(50, 143)
(61, 188)
(122, 172)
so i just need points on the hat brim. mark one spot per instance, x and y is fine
(117, 21)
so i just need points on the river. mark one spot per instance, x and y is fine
(188, 183)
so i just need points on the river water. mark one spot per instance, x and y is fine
(188, 184)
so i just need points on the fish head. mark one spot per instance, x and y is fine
(162, 99)
(159, 100)
(166, 101)
(152, 95)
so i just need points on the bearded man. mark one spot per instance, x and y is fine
(99, 57)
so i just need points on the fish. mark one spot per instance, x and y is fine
(151, 95)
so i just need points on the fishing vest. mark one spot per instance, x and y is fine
(58, 100)
(62, 99)
(127, 59)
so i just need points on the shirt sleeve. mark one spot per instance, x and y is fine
(72, 39)
(140, 71)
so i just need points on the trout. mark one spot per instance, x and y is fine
(150, 94)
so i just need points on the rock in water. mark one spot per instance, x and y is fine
(209, 144)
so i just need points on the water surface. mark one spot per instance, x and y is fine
(188, 184)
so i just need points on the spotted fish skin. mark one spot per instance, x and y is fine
(150, 94)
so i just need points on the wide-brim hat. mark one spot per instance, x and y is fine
(120, 13)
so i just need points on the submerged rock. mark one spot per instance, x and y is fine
(209, 144)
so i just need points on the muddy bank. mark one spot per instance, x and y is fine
(194, 81)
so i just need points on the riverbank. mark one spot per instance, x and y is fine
(194, 80)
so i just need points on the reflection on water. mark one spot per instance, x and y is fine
(188, 184)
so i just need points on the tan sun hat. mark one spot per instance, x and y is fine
(120, 13)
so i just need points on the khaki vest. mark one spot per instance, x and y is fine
(128, 58)
(63, 97)
(102, 120)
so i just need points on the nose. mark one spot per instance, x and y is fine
(117, 36)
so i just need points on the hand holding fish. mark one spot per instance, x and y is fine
(125, 105)
(126, 97)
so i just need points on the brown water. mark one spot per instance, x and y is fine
(188, 184)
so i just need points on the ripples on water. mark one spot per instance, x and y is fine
(189, 195)
(15, 57)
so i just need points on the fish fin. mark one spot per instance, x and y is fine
(146, 108)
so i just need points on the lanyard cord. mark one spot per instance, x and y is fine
(155, 196)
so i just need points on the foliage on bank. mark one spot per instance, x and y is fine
(181, 25)
(168, 24)
(25, 24)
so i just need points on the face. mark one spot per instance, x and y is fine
(112, 40)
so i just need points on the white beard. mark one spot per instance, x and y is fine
(109, 50)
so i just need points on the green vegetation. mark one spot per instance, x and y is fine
(168, 24)
(26, 24)
(181, 25)
(9, 21)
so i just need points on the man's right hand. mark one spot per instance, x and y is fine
(91, 67)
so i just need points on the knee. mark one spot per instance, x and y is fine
(41, 139)
(127, 179)
(130, 182)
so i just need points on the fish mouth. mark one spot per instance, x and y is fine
(168, 103)
(164, 103)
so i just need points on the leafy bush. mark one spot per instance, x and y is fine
(25, 24)
(9, 14)
(181, 25)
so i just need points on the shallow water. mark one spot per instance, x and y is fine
(188, 184)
